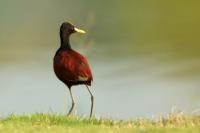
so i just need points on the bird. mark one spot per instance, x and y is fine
(71, 67)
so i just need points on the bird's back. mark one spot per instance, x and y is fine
(72, 68)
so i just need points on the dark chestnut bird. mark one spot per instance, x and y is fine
(71, 67)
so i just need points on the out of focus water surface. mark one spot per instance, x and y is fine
(144, 56)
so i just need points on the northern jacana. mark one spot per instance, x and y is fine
(71, 67)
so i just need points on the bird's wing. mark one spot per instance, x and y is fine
(83, 70)
(77, 67)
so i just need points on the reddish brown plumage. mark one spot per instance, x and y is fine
(72, 68)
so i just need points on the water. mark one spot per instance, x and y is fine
(124, 88)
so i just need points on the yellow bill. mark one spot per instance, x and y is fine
(79, 30)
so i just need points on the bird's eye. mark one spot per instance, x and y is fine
(71, 29)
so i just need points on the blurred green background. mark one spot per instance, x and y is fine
(144, 55)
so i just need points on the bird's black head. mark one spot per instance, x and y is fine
(66, 29)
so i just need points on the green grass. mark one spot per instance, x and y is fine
(51, 123)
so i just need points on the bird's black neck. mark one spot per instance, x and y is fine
(65, 44)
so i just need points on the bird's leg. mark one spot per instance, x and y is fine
(92, 100)
(73, 103)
